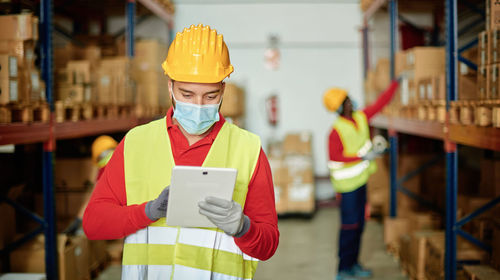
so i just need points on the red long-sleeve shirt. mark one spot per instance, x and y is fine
(335, 144)
(108, 217)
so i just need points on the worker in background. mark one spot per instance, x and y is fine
(351, 164)
(102, 150)
(131, 197)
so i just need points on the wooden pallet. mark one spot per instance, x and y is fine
(24, 113)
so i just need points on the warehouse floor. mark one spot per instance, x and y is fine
(308, 250)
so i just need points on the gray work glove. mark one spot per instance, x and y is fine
(157, 208)
(226, 215)
(371, 155)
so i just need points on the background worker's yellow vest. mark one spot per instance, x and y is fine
(349, 176)
(163, 252)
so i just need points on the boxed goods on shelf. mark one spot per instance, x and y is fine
(426, 61)
(8, 91)
(19, 27)
(382, 74)
(393, 229)
(418, 245)
(149, 55)
(74, 173)
(493, 12)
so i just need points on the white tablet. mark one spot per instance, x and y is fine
(192, 184)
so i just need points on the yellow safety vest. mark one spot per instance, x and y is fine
(165, 252)
(349, 176)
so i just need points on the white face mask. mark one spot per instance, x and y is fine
(195, 119)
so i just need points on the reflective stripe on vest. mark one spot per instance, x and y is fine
(164, 252)
(348, 176)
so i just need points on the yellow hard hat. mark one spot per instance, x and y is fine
(101, 144)
(198, 55)
(333, 98)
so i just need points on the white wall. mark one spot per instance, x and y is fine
(320, 48)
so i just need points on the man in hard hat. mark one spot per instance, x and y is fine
(130, 199)
(351, 163)
(102, 150)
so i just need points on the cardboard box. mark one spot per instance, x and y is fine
(426, 61)
(8, 67)
(106, 88)
(435, 253)
(382, 74)
(468, 87)
(71, 94)
(298, 143)
(483, 48)
(24, 51)
(79, 71)
(91, 53)
(418, 244)
(149, 55)
(8, 222)
(300, 197)
(81, 256)
(31, 257)
(404, 250)
(400, 63)
(393, 229)
(494, 14)
(233, 103)
(280, 198)
(74, 173)
(491, 81)
(483, 75)
(495, 257)
(19, 27)
(97, 253)
(432, 88)
(62, 55)
(9, 91)
(424, 221)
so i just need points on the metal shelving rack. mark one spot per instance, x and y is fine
(450, 134)
(48, 133)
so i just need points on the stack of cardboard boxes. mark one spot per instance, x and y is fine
(152, 84)
(77, 256)
(293, 175)
(20, 83)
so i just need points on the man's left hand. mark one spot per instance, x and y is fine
(226, 215)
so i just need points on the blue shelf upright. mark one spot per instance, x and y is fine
(393, 137)
(46, 26)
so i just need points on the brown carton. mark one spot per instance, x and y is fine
(400, 63)
(467, 87)
(24, 51)
(74, 173)
(393, 229)
(233, 102)
(298, 143)
(8, 222)
(31, 257)
(149, 55)
(426, 61)
(9, 91)
(71, 94)
(483, 75)
(8, 67)
(494, 14)
(19, 27)
(79, 71)
(418, 246)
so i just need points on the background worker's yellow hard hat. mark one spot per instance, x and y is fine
(333, 98)
(198, 55)
(101, 144)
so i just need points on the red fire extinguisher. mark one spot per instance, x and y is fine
(272, 109)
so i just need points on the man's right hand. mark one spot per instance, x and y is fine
(157, 208)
